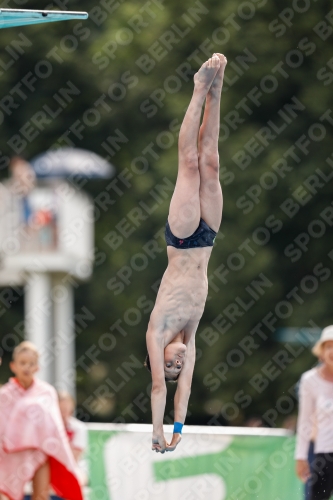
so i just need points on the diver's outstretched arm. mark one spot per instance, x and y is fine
(158, 392)
(158, 400)
(183, 391)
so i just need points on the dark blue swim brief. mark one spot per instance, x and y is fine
(204, 236)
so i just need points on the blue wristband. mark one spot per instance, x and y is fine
(177, 428)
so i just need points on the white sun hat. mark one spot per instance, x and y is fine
(326, 334)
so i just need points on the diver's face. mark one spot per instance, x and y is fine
(174, 357)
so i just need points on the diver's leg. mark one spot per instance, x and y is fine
(184, 212)
(211, 201)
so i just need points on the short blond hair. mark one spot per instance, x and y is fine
(25, 346)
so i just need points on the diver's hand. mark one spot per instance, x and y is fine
(159, 443)
(176, 439)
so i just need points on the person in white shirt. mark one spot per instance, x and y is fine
(316, 412)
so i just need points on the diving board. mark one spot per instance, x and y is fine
(21, 17)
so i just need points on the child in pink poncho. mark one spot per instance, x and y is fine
(33, 442)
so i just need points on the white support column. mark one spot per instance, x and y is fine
(38, 320)
(64, 334)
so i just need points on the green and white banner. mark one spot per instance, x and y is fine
(212, 463)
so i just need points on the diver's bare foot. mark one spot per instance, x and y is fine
(216, 86)
(206, 74)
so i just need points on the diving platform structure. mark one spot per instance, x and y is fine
(9, 18)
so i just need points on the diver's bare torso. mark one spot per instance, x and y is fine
(182, 294)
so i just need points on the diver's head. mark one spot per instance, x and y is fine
(174, 357)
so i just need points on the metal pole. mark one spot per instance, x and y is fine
(64, 334)
(38, 320)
